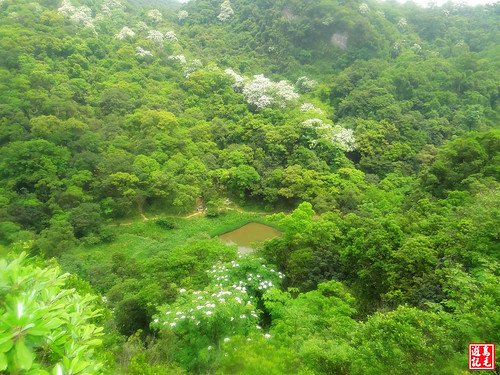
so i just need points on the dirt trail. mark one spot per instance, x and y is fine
(191, 215)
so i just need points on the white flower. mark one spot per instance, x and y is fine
(182, 15)
(305, 84)
(125, 32)
(345, 138)
(226, 339)
(312, 123)
(182, 290)
(402, 23)
(141, 26)
(139, 51)
(155, 36)
(226, 11)
(364, 8)
(267, 336)
(81, 15)
(308, 107)
(238, 86)
(210, 347)
(155, 15)
(208, 312)
(179, 58)
(173, 324)
(66, 8)
(170, 36)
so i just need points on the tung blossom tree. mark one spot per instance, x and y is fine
(305, 84)
(182, 15)
(239, 81)
(141, 52)
(80, 15)
(155, 15)
(155, 36)
(309, 107)
(260, 92)
(179, 58)
(125, 32)
(316, 129)
(364, 8)
(170, 36)
(142, 26)
(226, 11)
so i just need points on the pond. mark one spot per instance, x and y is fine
(249, 234)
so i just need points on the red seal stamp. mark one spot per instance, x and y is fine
(482, 356)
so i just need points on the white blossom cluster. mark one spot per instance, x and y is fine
(81, 15)
(344, 137)
(364, 8)
(170, 36)
(142, 26)
(309, 107)
(239, 81)
(305, 84)
(226, 301)
(110, 5)
(201, 306)
(155, 36)
(155, 15)
(402, 23)
(179, 58)
(139, 51)
(335, 134)
(192, 67)
(417, 48)
(182, 15)
(125, 32)
(226, 11)
(261, 92)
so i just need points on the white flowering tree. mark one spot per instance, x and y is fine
(239, 81)
(226, 11)
(260, 92)
(227, 307)
(364, 8)
(309, 107)
(125, 33)
(141, 52)
(403, 23)
(305, 84)
(109, 6)
(182, 15)
(142, 26)
(155, 15)
(315, 129)
(170, 37)
(156, 37)
(45, 327)
(181, 59)
(80, 15)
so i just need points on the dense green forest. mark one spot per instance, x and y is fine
(133, 134)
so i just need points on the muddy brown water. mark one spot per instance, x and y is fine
(246, 236)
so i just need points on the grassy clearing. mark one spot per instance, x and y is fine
(141, 238)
